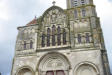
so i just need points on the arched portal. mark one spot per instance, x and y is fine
(53, 64)
(25, 71)
(86, 69)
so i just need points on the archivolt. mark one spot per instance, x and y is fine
(86, 63)
(25, 68)
(53, 61)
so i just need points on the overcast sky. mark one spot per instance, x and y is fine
(14, 13)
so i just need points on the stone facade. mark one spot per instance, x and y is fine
(62, 42)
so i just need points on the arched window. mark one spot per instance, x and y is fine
(64, 36)
(48, 36)
(83, 12)
(31, 44)
(87, 38)
(59, 35)
(79, 38)
(53, 35)
(43, 40)
(24, 45)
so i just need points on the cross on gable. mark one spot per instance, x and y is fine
(53, 3)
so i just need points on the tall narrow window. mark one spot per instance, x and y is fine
(48, 36)
(83, 12)
(43, 40)
(64, 36)
(24, 45)
(59, 36)
(53, 35)
(31, 44)
(83, 2)
(75, 14)
(79, 38)
(87, 38)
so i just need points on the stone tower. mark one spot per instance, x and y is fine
(62, 42)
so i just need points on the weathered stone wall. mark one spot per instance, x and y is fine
(75, 58)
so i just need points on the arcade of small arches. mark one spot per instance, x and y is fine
(30, 45)
(58, 64)
(58, 36)
(55, 35)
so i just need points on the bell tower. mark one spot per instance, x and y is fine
(85, 29)
(83, 8)
(76, 3)
(84, 23)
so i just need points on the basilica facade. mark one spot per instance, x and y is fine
(62, 42)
